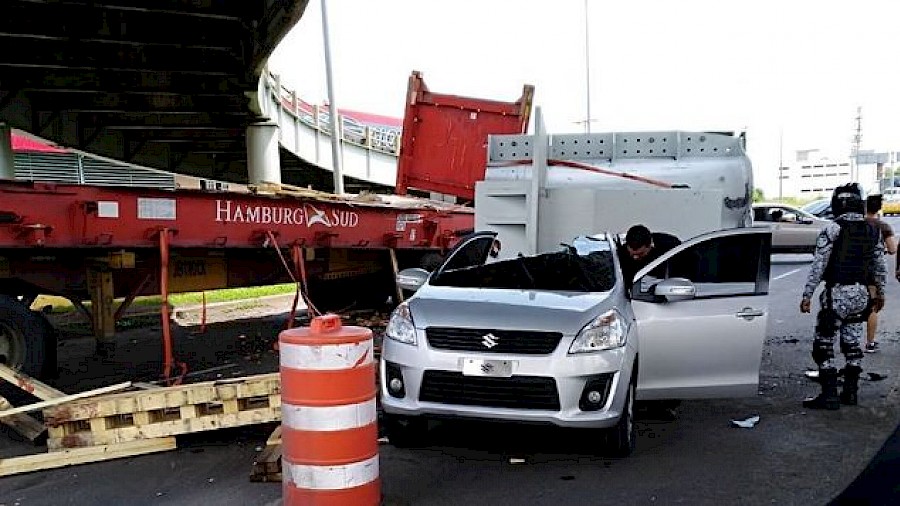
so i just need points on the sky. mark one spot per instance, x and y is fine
(791, 73)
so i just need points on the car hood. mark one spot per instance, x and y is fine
(566, 312)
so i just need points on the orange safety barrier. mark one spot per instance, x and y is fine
(329, 431)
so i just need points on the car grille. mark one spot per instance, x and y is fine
(522, 342)
(524, 392)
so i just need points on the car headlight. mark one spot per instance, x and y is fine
(605, 332)
(400, 327)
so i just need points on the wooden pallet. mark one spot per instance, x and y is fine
(162, 412)
(17, 418)
(267, 466)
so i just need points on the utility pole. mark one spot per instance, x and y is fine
(336, 152)
(587, 69)
(780, 163)
(857, 139)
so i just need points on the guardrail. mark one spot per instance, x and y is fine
(384, 140)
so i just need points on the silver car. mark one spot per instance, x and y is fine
(561, 338)
(793, 230)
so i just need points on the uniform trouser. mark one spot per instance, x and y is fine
(846, 300)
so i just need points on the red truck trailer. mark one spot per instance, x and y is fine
(100, 243)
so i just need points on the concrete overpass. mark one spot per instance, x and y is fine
(170, 84)
(370, 151)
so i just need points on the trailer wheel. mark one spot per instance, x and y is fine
(27, 340)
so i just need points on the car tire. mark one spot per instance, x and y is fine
(405, 431)
(620, 440)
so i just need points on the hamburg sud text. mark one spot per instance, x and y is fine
(306, 214)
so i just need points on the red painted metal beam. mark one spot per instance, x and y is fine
(65, 216)
(443, 146)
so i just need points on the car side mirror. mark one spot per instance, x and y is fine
(675, 289)
(412, 279)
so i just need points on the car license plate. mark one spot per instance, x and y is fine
(481, 367)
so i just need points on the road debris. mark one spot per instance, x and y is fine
(267, 465)
(98, 425)
(748, 423)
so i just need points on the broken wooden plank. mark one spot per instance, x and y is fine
(68, 398)
(275, 437)
(23, 424)
(30, 385)
(267, 466)
(43, 461)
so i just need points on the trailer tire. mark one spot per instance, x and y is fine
(27, 340)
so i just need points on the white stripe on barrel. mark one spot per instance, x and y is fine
(331, 477)
(326, 357)
(329, 418)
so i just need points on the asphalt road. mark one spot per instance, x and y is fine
(791, 456)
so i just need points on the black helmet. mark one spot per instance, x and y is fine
(848, 198)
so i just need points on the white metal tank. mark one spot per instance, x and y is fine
(685, 183)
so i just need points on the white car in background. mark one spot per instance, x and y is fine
(793, 230)
(819, 208)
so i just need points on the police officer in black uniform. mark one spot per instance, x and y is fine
(848, 258)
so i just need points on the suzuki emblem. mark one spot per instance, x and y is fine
(489, 341)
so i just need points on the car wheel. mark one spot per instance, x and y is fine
(620, 440)
(405, 431)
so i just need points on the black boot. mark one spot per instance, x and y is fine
(851, 385)
(828, 399)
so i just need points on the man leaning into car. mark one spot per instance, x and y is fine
(642, 247)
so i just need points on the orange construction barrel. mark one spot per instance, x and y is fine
(329, 431)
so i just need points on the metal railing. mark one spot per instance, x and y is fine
(384, 139)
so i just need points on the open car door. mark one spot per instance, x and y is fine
(701, 312)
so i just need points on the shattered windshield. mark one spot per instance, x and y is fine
(584, 266)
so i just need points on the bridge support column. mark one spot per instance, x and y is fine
(263, 162)
(7, 157)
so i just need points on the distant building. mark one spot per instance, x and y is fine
(815, 174)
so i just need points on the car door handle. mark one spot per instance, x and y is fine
(748, 313)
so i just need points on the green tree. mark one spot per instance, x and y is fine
(758, 195)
